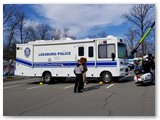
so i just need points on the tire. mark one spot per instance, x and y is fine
(47, 77)
(106, 77)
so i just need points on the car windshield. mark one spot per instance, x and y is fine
(130, 61)
(121, 50)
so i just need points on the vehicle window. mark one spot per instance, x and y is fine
(110, 50)
(105, 50)
(90, 51)
(102, 51)
(81, 51)
(121, 50)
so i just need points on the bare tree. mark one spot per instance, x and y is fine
(11, 19)
(130, 39)
(32, 33)
(92, 36)
(22, 31)
(99, 35)
(58, 33)
(102, 34)
(10, 12)
(10, 22)
(66, 32)
(40, 32)
(141, 16)
(44, 32)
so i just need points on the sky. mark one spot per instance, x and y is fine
(82, 19)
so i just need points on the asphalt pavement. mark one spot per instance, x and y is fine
(26, 97)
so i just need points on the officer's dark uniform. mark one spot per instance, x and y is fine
(146, 67)
(150, 61)
(151, 65)
(78, 71)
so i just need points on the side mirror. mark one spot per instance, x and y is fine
(126, 53)
(113, 56)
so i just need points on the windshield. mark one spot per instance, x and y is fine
(121, 50)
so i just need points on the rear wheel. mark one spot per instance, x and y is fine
(106, 77)
(47, 77)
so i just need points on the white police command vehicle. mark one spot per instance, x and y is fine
(106, 58)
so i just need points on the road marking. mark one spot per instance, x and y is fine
(13, 86)
(124, 77)
(20, 82)
(110, 85)
(114, 83)
(68, 86)
(35, 87)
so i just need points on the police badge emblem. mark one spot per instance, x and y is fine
(27, 52)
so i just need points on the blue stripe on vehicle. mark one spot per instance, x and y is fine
(66, 64)
(24, 62)
(107, 63)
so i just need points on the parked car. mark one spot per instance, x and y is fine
(130, 63)
(12, 70)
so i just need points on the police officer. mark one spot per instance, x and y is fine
(78, 71)
(145, 65)
(150, 61)
(151, 65)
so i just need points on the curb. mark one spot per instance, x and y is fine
(12, 78)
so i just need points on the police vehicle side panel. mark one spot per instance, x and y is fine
(104, 59)
(58, 59)
(88, 50)
(24, 60)
(121, 60)
(61, 59)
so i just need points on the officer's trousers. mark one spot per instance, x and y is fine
(78, 82)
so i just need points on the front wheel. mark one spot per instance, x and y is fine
(47, 77)
(106, 77)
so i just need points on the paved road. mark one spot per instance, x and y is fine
(27, 98)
